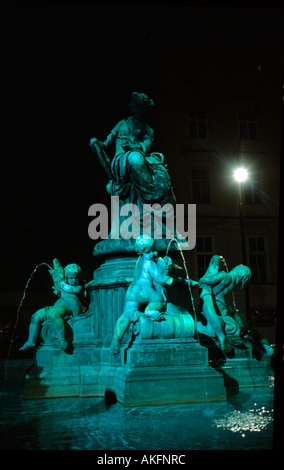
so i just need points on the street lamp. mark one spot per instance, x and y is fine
(241, 175)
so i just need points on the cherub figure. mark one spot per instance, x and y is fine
(146, 290)
(69, 286)
(215, 286)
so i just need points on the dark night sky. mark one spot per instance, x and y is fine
(69, 69)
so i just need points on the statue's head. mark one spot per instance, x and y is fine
(241, 274)
(144, 245)
(73, 274)
(140, 102)
(168, 263)
(214, 264)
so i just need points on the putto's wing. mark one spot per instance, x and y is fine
(57, 274)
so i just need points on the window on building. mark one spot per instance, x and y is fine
(197, 124)
(247, 124)
(252, 194)
(251, 190)
(204, 253)
(257, 256)
(200, 185)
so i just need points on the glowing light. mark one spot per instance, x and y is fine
(255, 420)
(240, 175)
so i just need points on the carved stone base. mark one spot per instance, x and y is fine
(146, 372)
(170, 371)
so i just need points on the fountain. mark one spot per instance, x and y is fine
(140, 339)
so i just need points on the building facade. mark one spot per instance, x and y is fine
(219, 109)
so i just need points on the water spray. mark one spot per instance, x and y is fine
(192, 301)
(20, 306)
(227, 269)
(186, 272)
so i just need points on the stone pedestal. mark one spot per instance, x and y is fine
(170, 371)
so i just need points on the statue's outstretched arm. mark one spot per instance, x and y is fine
(159, 275)
(104, 159)
(213, 279)
(111, 138)
(147, 141)
(101, 147)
